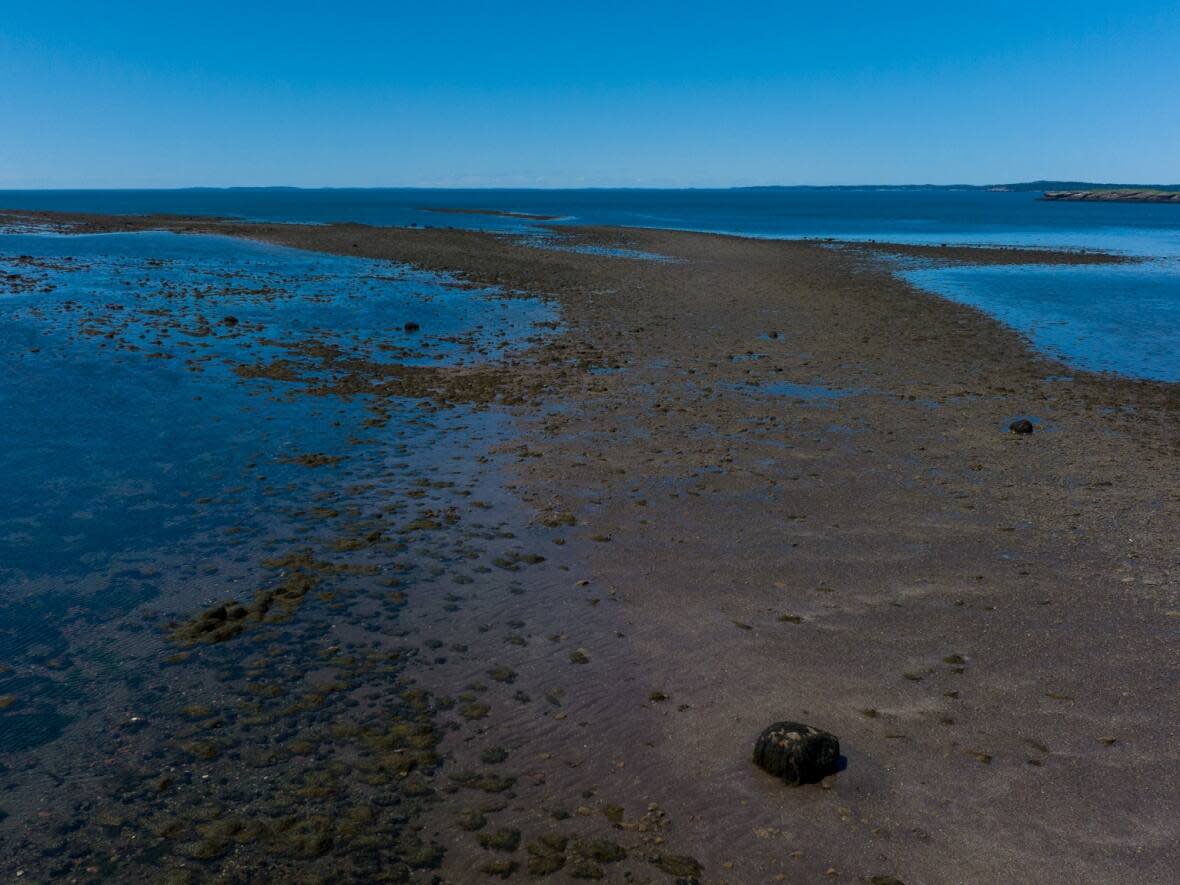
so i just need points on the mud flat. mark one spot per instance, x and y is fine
(765, 481)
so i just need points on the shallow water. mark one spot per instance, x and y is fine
(156, 465)
(139, 469)
(1123, 319)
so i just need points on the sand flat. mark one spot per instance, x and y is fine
(987, 621)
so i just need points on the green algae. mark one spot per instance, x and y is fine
(493, 755)
(503, 839)
(471, 819)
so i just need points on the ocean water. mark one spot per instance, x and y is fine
(1116, 319)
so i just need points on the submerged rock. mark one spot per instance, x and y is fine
(1021, 426)
(411, 326)
(798, 753)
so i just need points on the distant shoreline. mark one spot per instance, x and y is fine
(1114, 196)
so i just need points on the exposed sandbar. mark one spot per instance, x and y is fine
(986, 621)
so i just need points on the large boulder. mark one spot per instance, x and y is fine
(1022, 426)
(798, 753)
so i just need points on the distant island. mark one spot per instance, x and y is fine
(1116, 195)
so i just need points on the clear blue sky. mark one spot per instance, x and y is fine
(162, 94)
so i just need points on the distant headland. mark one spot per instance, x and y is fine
(1046, 187)
(1116, 195)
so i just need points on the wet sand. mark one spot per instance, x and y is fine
(770, 480)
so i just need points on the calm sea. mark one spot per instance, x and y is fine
(1119, 319)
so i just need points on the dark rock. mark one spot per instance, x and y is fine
(411, 326)
(1021, 426)
(230, 321)
(798, 753)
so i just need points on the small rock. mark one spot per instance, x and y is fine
(411, 326)
(798, 753)
(1022, 426)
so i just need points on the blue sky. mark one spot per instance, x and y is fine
(586, 94)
